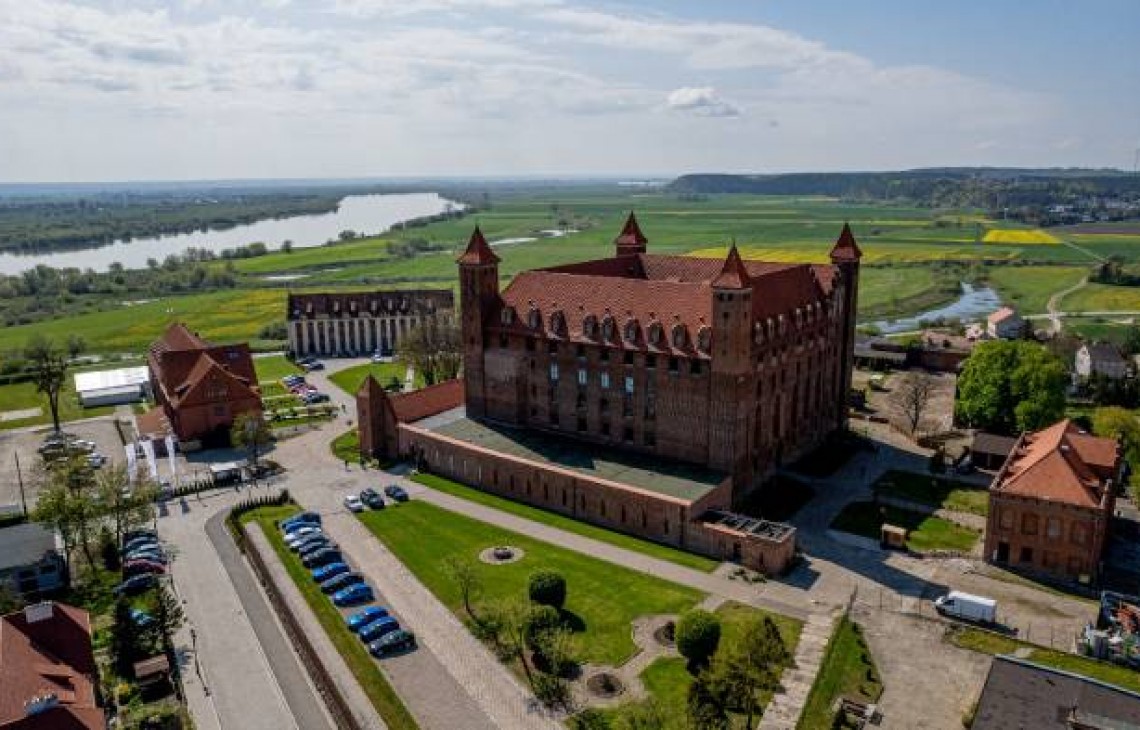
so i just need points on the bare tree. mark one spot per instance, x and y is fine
(467, 579)
(434, 348)
(48, 362)
(912, 396)
(251, 432)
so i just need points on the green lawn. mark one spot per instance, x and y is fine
(987, 642)
(569, 524)
(274, 367)
(602, 598)
(848, 670)
(926, 533)
(350, 379)
(355, 654)
(22, 396)
(935, 491)
(346, 446)
(1029, 287)
(1103, 298)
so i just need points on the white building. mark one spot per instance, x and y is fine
(112, 387)
(1005, 324)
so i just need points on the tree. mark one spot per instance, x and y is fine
(707, 702)
(912, 396)
(252, 432)
(539, 621)
(66, 503)
(1120, 424)
(434, 348)
(10, 602)
(512, 617)
(467, 579)
(48, 362)
(1011, 386)
(751, 668)
(547, 588)
(168, 615)
(697, 636)
(126, 644)
(54, 508)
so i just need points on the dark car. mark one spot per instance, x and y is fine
(325, 572)
(155, 556)
(137, 533)
(308, 518)
(321, 557)
(337, 582)
(143, 541)
(140, 567)
(392, 642)
(315, 366)
(355, 594)
(311, 546)
(135, 585)
(396, 492)
(378, 628)
(372, 498)
(360, 619)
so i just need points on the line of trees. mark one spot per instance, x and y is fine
(434, 348)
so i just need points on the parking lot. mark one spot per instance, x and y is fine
(23, 444)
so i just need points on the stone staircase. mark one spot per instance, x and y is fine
(787, 705)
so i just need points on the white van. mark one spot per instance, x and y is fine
(967, 607)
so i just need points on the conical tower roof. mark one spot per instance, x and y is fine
(734, 274)
(478, 251)
(845, 248)
(631, 234)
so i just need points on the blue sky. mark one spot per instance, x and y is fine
(141, 89)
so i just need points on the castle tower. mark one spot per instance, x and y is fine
(845, 256)
(631, 240)
(478, 290)
(730, 415)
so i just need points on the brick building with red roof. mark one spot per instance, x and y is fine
(200, 388)
(735, 365)
(1052, 502)
(47, 670)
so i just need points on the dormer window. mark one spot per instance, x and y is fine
(533, 319)
(704, 338)
(655, 333)
(558, 323)
(680, 336)
(631, 331)
(608, 328)
(507, 316)
(590, 326)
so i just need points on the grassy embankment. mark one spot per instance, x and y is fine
(848, 670)
(925, 532)
(355, 654)
(561, 522)
(935, 491)
(350, 379)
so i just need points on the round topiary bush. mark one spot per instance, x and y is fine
(548, 589)
(539, 620)
(697, 636)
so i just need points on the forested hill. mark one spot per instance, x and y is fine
(980, 187)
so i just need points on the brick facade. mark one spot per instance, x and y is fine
(359, 323)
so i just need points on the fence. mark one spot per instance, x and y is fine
(323, 682)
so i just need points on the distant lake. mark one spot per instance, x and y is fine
(976, 302)
(368, 214)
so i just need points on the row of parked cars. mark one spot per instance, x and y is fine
(59, 445)
(308, 394)
(371, 498)
(373, 624)
(143, 560)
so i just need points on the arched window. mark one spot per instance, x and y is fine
(608, 328)
(590, 326)
(704, 338)
(631, 330)
(654, 334)
(558, 323)
(507, 316)
(680, 336)
(533, 318)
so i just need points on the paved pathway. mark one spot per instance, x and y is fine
(786, 707)
(1054, 304)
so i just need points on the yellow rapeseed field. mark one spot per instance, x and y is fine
(1019, 236)
(871, 255)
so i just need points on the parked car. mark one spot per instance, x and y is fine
(294, 539)
(372, 498)
(96, 460)
(315, 365)
(353, 503)
(141, 566)
(140, 543)
(321, 557)
(337, 582)
(325, 572)
(378, 628)
(141, 618)
(968, 607)
(390, 643)
(396, 492)
(353, 595)
(307, 518)
(135, 585)
(139, 532)
(320, 542)
(360, 619)
(155, 556)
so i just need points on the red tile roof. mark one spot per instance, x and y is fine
(734, 275)
(50, 656)
(181, 362)
(846, 249)
(1001, 315)
(478, 253)
(1050, 464)
(177, 338)
(426, 402)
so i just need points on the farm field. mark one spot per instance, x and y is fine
(1020, 236)
(1108, 329)
(1029, 287)
(604, 597)
(1103, 298)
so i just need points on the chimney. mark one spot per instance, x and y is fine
(38, 612)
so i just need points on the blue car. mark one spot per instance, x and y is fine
(151, 555)
(298, 520)
(353, 595)
(378, 628)
(359, 620)
(321, 557)
(139, 543)
(325, 572)
(311, 546)
(344, 580)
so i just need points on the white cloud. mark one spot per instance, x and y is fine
(702, 101)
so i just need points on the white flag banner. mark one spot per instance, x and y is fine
(151, 464)
(172, 460)
(131, 465)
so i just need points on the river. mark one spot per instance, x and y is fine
(370, 214)
(975, 303)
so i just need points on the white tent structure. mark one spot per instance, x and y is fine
(112, 387)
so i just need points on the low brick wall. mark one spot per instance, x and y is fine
(767, 556)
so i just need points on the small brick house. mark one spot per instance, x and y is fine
(1051, 503)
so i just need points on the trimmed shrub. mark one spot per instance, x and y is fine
(697, 635)
(540, 620)
(547, 588)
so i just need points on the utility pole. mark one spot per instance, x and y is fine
(20, 479)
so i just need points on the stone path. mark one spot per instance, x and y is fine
(784, 711)
(361, 707)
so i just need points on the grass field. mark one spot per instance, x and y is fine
(1103, 298)
(1020, 236)
(1029, 287)
(925, 533)
(346, 446)
(628, 542)
(350, 379)
(667, 679)
(988, 642)
(1108, 329)
(355, 654)
(848, 670)
(22, 396)
(273, 368)
(935, 491)
(602, 597)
